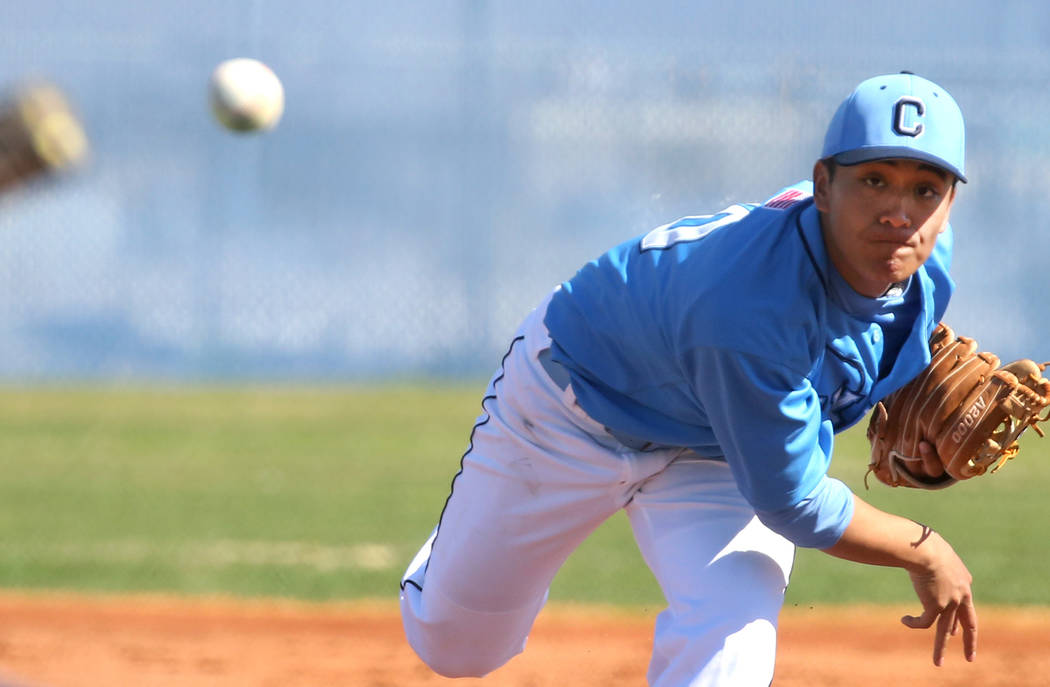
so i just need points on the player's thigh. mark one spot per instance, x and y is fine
(704, 543)
(519, 507)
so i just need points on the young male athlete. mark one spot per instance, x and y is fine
(695, 377)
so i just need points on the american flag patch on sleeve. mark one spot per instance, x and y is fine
(786, 199)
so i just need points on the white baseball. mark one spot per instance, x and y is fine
(246, 95)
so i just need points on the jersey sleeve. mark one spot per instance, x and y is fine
(768, 421)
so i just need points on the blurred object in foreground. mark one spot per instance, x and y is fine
(39, 134)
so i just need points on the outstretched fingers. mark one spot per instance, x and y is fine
(920, 622)
(949, 619)
(944, 630)
(967, 617)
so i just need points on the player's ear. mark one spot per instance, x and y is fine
(821, 186)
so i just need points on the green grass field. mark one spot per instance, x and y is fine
(326, 494)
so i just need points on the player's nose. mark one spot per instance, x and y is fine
(896, 214)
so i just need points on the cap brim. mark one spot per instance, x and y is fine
(859, 155)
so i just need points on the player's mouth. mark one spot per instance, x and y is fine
(899, 237)
(895, 247)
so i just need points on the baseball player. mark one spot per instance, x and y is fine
(695, 377)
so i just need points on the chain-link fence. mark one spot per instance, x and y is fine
(442, 165)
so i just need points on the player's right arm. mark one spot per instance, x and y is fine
(941, 580)
(768, 421)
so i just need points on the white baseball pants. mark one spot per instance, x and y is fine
(538, 477)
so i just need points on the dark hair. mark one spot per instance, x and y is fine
(831, 165)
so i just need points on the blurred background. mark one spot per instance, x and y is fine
(441, 165)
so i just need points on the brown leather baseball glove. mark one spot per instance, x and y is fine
(40, 134)
(966, 405)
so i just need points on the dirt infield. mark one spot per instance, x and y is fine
(67, 641)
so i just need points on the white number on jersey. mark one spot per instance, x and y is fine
(692, 228)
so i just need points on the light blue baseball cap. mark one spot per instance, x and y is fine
(898, 116)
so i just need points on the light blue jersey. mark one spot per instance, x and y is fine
(733, 334)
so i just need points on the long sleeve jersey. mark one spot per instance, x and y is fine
(734, 335)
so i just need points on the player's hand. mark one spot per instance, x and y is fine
(943, 586)
(927, 467)
(931, 465)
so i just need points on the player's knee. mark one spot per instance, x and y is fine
(457, 664)
(455, 654)
(456, 645)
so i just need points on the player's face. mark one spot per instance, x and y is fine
(881, 219)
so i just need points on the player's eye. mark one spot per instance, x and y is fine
(927, 192)
(872, 181)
